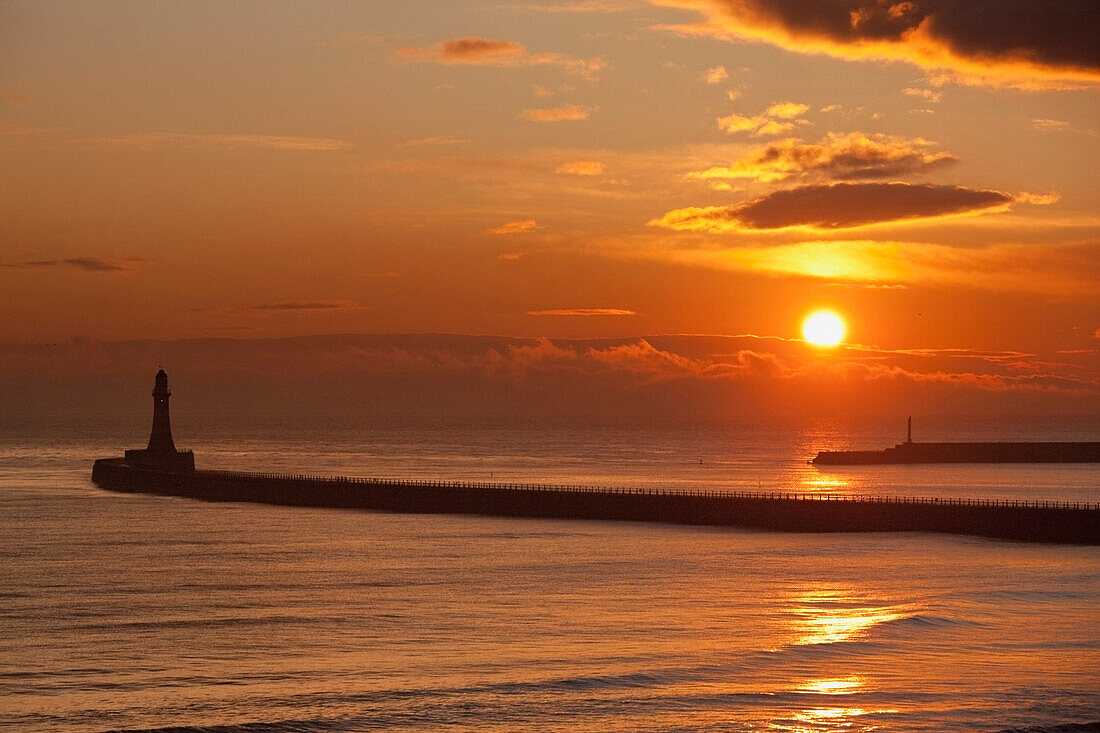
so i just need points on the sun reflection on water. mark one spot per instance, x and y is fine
(826, 718)
(827, 616)
(829, 720)
(844, 686)
(819, 484)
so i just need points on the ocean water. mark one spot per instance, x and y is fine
(127, 612)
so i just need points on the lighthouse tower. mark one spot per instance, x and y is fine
(160, 440)
(161, 452)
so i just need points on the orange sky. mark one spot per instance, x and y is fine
(566, 170)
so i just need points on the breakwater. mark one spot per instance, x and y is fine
(909, 452)
(1052, 522)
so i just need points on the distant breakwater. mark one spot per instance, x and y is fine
(1027, 521)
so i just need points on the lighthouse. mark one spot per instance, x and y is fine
(161, 452)
(160, 440)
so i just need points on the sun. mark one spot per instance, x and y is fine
(823, 328)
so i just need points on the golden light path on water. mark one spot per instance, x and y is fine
(812, 484)
(830, 615)
(832, 686)
(827, 616)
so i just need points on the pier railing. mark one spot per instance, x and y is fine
(650, 491)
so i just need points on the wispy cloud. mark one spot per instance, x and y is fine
(473, 51)
(433, 141)
(580, 6)
(716, 75)
(581, 168)
(522, 226)
(568, 113)
(1049, 125)
(15, 99)
(304, 305)
(68, 137)
(926, 94)
(279, 142)
(583, 312)
(88, 264)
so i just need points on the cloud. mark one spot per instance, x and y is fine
(583, 6)
(1061, 270)
(88, 264)
(516, 227)
(758, 125)
(66, 136)
(15, 98)
(433, 141)
(568, 113)
(775, 120)
(1018, 42)
(581, 168)
(840, 157)
(456, 375)
(280, 142)
(304, 305)
(716, 75)
(1045, 124)
(837, 206)
(1038, 199)
(1048, 125)
(469, 51)
(583, 312)
(786, 110)
(489, 52)
(926, 94)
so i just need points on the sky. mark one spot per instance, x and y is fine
(652, 194)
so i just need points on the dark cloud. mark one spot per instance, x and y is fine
(480, 50)
(837, 206)
(88, 264)
(1017, 38)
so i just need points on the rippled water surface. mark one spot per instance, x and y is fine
(126, 612)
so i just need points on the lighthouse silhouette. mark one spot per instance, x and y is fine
(161, 452)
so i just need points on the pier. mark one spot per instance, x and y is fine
(162, 469)
(1051, 522)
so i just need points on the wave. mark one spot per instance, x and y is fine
(1093, 727)
(280, 726)
(920, 621)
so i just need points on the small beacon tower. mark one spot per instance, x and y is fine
(161, 452)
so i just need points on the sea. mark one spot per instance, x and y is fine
(123, 612)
